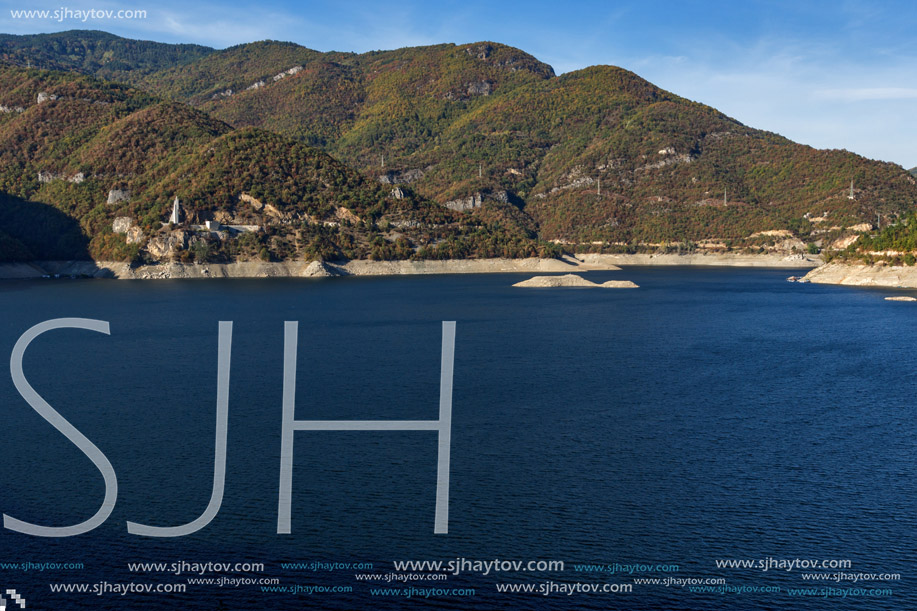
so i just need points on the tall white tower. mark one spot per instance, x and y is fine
(176, 212)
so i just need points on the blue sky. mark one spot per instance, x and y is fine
(830, 74)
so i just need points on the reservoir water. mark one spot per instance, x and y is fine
(709, 416)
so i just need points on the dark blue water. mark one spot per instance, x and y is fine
(709, 415)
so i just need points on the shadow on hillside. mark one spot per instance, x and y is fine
(33, 231)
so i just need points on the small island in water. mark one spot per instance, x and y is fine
(574, 281)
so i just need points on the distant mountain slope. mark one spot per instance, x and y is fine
(397, 99)
(98, 53)
(98, 151)
(598, 157)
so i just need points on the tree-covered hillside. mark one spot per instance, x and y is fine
(596, 155)
(595, 159)
(111, 158)
(97, 53)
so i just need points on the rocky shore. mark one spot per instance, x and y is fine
(863, 275)
(307, 269)
(286, 269)
(780, 261)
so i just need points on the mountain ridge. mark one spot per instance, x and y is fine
(595, 159)
(547, 141)
(95, 52)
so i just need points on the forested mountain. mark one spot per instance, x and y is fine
(466, 123)
(98, 53)
(597, 158)
(111, 158)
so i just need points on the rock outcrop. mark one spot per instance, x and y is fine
(465, 203)
(403, 177)
(163, 247)
(318, 269)
(572, 280)
(134, 235)
(122, 224)
(844, 242)
(116, 196)
(864, 275)
(45, 176)
(479, 88)
(476, 200)
(254, 202)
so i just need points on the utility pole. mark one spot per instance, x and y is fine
(600, 186)
(724, 196)
(383, 160)
(480, 170)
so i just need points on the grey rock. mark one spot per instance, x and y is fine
(482, 51)
(481, 88)
(404, 177)
(134, 235)
(476, 200)
(116, 196)
(163, 247)
(319, 269)
(122, 224)
(465, 203)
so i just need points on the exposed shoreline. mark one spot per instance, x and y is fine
(779, 261)
(284, 269)
(306, 269)
(863, 275)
